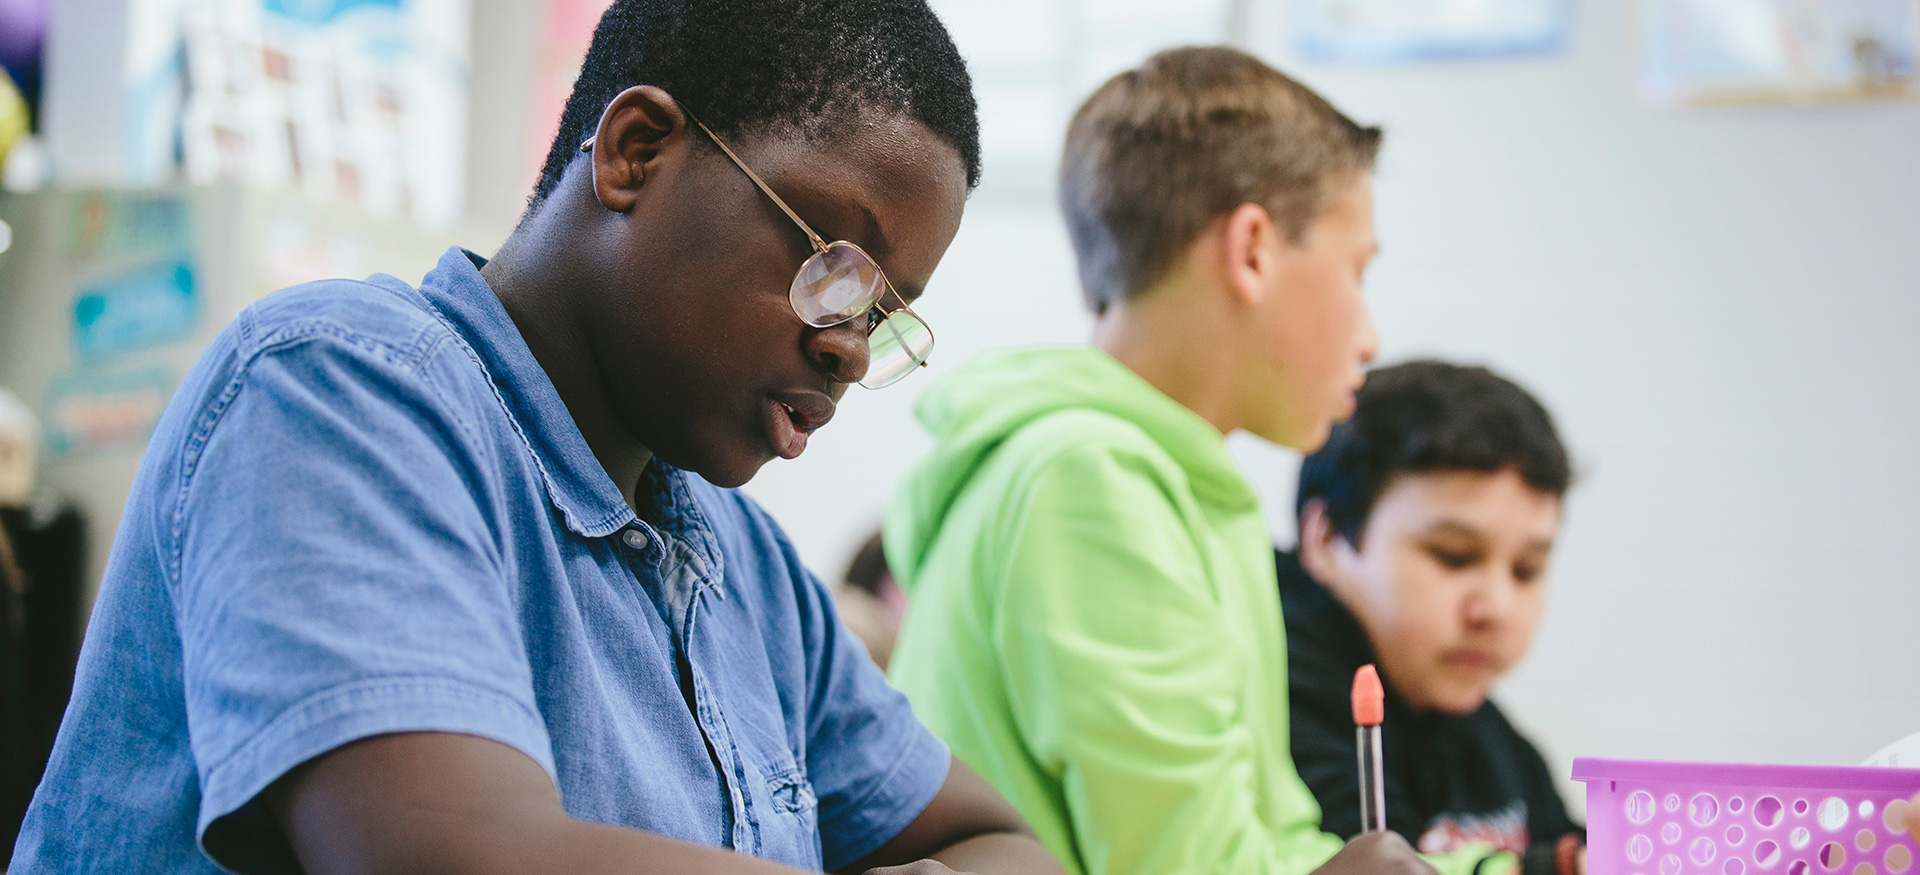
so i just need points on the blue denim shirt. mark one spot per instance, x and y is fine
(367, 511)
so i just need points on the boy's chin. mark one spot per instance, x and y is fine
(734, 473)
(1459, 701)
(1295, 436)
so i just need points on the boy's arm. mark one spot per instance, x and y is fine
(445, 803)
(1124, 685)
(968, 827)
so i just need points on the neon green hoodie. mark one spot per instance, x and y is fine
(1095, 622)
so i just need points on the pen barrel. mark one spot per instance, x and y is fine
(1373, 779)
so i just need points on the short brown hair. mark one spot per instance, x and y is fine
(1157, 153)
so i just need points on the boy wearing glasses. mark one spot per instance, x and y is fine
(1094, 621)
(450, 578)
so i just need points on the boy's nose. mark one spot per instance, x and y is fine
(1369, 336)
(841, 351)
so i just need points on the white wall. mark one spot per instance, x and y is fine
(1721, 307)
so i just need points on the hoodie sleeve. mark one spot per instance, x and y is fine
(1122, 687)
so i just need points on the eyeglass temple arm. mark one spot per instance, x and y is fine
(818, 243)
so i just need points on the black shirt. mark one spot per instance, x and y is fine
(1451, 779)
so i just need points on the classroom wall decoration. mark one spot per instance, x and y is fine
(1401, 31)
(1735, 52)
(362, 101)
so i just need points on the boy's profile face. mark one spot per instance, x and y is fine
(1317, 333)
(704, 358)
(1448, 580)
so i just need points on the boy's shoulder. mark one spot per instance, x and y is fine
(380, 314)
(1088, 442)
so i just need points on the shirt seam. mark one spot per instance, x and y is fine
(300, 714)
(215, 413)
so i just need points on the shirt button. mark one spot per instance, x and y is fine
(635, 538)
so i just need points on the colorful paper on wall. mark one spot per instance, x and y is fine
(135, 310)
(111, 224)
(1731, 52)
(87, 413)
(1402, 31)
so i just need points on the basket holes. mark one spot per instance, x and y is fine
(1766, 811)
(1673, 802)
(1669, 865)
(1734, 866)
(1864, 840)
(1799, 837)
(1736, 835)
(1832, 855)
(1640, 806)
(1866, 808)
(1735, 804)
(1799, 807)
(1703, 809)
(1899, 858)
(1798, 867)
(1639, 849)
(1863, 869)
(1766, 854)
(1833, 813)
(1702, 850)
(1670, 833)
(1895, 815)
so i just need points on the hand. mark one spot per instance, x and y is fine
(917, 867)
(1376, 853)
(1913, 816)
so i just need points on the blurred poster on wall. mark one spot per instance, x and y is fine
(1402, 31)
(1734, 52)
(360, 101)
(569, 31)
(99, 412)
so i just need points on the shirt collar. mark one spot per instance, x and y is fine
(578, 486)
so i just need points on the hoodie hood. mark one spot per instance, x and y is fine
(972, 410)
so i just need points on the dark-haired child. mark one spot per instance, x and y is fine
(451, 578)
(1426, 523)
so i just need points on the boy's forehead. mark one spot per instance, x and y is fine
(883, 181)
(1462, 495)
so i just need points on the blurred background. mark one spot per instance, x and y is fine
(1692, 227)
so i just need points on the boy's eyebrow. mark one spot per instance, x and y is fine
(870, 230)
(1452, 526)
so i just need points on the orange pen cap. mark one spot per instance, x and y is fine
(1369, 698)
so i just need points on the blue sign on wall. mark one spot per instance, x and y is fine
(137, 309)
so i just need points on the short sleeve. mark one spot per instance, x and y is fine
(874, 766)
(336, 578)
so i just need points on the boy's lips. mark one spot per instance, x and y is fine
(1471, 660)
(792, 416)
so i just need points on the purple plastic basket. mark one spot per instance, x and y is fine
(1650, 817)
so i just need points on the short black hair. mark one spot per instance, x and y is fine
(764, 66)
(1430, 416)
(869, 566)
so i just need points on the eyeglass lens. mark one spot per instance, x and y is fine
(895, 347)
(836, 285)
(842, 283)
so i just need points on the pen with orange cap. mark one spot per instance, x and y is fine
(1369, 711)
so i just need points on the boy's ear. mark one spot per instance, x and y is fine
(1317, 537)
(634, 130)
(1248, 242)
